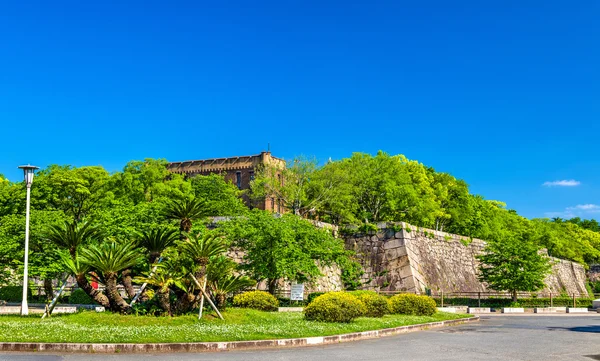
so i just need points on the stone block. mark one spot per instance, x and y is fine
(479, 310)
(99, 309)
(447, 309)
(65, 309)
(577, 310)
(290, 309)
(461, 309)
(513, 310)
(549, 309)
(393, 243)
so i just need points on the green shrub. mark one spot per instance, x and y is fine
(258, 300)
(79, 297)
(312, 296)
(12, 293)
(409, 304)
(375, 305)
(334, 307)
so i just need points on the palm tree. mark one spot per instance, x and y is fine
(80, 270)
(200, 249)
(71, 236)
(186, 211)
(109, 259)
(156, 241)
(227, 284)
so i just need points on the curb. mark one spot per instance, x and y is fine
(219, 346)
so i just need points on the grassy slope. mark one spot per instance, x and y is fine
(239, 324)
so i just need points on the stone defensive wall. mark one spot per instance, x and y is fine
(402, 257)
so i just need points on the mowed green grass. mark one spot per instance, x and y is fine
(239, 325)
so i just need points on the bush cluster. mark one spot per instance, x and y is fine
(335, 307)
(79, 297)
(409, 304)
(375, 305)
(258, 300)
(12, 293)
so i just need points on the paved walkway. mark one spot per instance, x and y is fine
(493, 338)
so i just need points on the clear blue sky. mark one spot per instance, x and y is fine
(503, 94)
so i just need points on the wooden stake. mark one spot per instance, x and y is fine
(210, 302)
(50, 308)
(139, 292)
(202, 300)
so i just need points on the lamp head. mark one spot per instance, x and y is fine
(28, 171)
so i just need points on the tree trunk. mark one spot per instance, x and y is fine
(220, 299)
(163, 301)
(48, 290)
(96, 295)
(127, 283)
(117, 303)
(184, 303)
(272, 285)
(514, 295)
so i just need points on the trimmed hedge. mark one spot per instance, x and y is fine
(409, 304)
(334, 307)
(524, 302)
(13, 293)
(258, 300)
(375, 305)
(79, 297)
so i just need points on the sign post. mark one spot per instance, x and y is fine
(297, 292)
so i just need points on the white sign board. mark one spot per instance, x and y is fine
(297, 293)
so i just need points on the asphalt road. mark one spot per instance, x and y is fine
(493, 338)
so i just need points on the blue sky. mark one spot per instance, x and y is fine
(502, 94)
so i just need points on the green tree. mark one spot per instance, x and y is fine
(75, 191)
(286, 247)
(148, 181)
(514, 264)
(219, 197)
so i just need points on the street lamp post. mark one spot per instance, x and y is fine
(28, 171)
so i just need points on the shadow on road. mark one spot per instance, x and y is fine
(590, 329)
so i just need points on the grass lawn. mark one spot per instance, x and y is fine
(239, 324)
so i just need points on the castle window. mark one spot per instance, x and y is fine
(238, 179)
(251, 175)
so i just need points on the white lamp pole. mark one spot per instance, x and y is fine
(28, 171)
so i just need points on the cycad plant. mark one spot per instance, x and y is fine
(200, 249)
(228, 284)
(221, 279)
(185, 211)
(72, 235)
(156, 241)
(108, 259)
(163, 279)
(80, 271)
